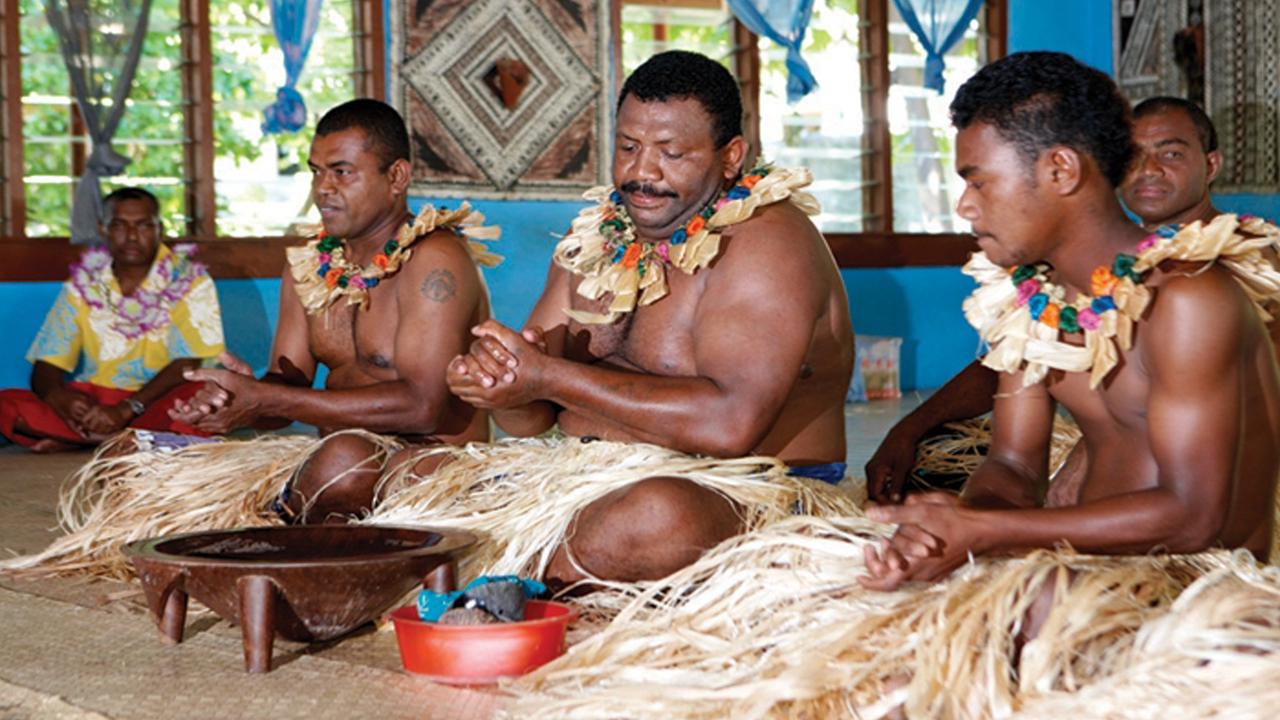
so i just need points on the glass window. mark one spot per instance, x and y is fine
(46, 125)
(261, 183)
(925, 185)
(651, 28)
(832, 131)
(822, 132)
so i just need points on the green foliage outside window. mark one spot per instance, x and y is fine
(247, 69)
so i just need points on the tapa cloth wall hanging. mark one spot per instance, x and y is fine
(503, 98)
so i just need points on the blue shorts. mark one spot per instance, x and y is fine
(829, 473)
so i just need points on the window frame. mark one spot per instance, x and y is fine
(46, 258)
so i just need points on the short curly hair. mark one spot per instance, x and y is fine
(679, 74)
(1036, 100)
(384, 128)
(128, 193)
(1164, 103)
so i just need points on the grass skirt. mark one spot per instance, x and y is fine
(774, 624)
(771, 623)
(518, 495)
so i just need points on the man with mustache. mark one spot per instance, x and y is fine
(1168, 184)
(381, 299)
(696, 307)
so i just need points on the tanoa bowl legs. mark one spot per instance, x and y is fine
(302, 583)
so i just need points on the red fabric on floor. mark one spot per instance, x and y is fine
(18, 404)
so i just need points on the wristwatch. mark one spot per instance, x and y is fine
(136, 406)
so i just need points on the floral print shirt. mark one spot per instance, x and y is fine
(111, 340)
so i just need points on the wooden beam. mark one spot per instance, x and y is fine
(879, 250)
(47, 259)
(13, 205)
(877, 160)
(997, 30)
(201, 200)
(371, 54)
(746, 65)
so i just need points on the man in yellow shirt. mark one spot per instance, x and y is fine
(133, 316)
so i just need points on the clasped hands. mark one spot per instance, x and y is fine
(502, 369)
(935, 535)
(222, 404)
(85, 416)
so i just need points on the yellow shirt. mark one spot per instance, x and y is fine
(123, 342)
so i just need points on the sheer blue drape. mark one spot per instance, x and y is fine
(101, 44)
(294, 23)
(784, 22)
(938, 24)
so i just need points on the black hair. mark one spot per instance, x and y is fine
(679, 74)
(128, 193)
(1164, 103)
(384, 129)
(1036, 100)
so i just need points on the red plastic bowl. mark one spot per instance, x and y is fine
(481, 654)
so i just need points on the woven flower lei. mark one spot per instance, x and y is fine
(1044, 299)
(603, 248)
(1020, 314)
(620, 237)
(150, 306)
(322, 273)
(338, 272)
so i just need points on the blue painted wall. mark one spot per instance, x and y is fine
(1081, 28)
(920, 305)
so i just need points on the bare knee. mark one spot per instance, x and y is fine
(338, 480)
(407, 467)
(1037, 613)
(645, 531)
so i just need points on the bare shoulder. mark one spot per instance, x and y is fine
(1199, 316)
(777, 254)
(1191, 290)
(779, 237)
(440, 269)
(289, 289)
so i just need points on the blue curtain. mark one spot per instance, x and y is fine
(938, 24)
(784, 22)
(101, 44)
(295, 23)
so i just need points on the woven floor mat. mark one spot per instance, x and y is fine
(80, 662)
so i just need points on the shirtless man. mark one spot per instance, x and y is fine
(749, 355)
(1183, 433)
(386, 361)
(1177, 160)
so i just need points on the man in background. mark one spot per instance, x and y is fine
(133, 317)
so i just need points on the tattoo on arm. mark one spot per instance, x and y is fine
(439, 286)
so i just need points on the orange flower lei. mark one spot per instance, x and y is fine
(603, 249)
(322, 273)
(1021, 315)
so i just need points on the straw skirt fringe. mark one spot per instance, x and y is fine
(121, 496)
(773, 624)
(519, 495)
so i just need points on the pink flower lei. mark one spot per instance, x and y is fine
(149, 307)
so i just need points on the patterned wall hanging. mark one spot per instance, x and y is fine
(1221, 54)
(1242, 86)
(504, 98)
